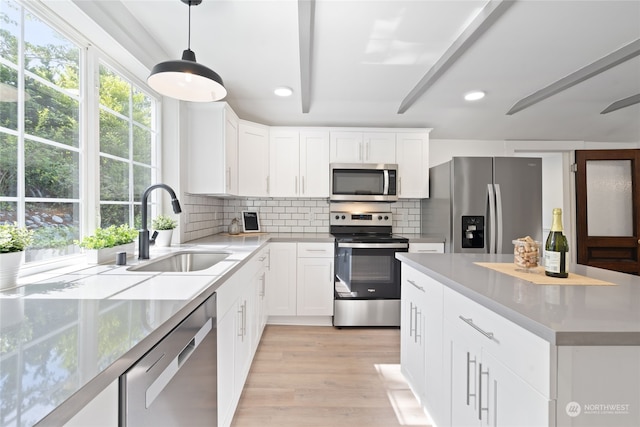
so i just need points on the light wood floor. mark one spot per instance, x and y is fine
(327, 377)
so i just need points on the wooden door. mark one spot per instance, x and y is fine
(608, 209)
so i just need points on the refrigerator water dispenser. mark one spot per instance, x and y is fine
(472, 231)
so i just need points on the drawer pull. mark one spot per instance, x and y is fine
(415, 284)
(469, 363)
(469, 322)
(480, 407)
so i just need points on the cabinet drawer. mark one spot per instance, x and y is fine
(435, 248)
(315, 250)
(526, 354)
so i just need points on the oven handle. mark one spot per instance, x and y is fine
(373, 245)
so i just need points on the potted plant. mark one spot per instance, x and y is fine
(105, 243)
(164, 225)
(13, 242)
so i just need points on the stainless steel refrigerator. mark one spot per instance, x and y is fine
(481, 204)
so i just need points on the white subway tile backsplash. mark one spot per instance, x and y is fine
(208, 215)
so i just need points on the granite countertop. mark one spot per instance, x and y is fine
(560, 314)
(81, 327)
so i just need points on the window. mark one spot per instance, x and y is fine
(39, 131)
(127, 142)
(45, 174)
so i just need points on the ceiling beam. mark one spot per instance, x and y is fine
(601, 65)
(626, 102)
(487, 17)
(306, 16)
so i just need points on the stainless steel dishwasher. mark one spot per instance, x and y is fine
(175, 384)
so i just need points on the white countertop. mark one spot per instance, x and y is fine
(560, 314)
(82, 327)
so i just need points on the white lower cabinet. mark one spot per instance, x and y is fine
(300, 281)
(426, 248)
(239, 331)
(315, 287)
(281, 298)
(500, 373)
(469, 366)
(421, 338)
(484, 391)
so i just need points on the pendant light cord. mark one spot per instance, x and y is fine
(189, 38)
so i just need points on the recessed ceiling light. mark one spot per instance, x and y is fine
(283, 91)
(474, 96)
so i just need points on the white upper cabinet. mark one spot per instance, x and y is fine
(229, 156)
(363, 147)
(212, 149)
(253, 159)
(412, 155)
(299, 162)
(314, 163)
(284, 162)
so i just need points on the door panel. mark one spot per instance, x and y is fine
(607, 209)
(470, 178)
(520, 183)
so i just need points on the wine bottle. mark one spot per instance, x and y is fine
(556, 248)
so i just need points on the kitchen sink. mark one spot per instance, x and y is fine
(183, 261)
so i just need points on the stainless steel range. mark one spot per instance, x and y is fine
(367, 282)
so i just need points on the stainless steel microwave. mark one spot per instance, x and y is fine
(363, 182)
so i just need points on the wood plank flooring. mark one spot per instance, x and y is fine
(326, 377)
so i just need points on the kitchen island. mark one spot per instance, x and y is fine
(506, 351)
(67, 335)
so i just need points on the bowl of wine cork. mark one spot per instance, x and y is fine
(526, 253)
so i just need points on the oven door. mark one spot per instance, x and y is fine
(368, 270)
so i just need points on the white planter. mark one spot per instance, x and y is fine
(10, 263)
(164, 237)
(108, 255)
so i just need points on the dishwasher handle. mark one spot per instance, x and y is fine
(163, 379)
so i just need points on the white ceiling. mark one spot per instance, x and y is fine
(367, 56)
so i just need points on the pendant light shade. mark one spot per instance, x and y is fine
(184, 78)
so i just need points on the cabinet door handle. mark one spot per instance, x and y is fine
(417, 335)
(303, 185)
(469, 363)
(229, 178)
(400, 186)
(241, 322)
(430, 251)
(480, 407)
(244, 320)
(296, 185)
(267, 179)
(469, 321)
(263, 287)
(410, 318)
(415, 284)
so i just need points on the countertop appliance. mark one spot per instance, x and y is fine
(175, 384)
(367, 282)
(365, 182)
(481, 204)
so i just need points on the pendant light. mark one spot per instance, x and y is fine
(185, 79)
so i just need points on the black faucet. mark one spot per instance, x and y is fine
(143, 235)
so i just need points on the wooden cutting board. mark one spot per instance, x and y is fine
(538, 277)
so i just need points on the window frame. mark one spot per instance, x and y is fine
(91, 56)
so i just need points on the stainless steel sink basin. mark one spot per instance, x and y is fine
(183, 261)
